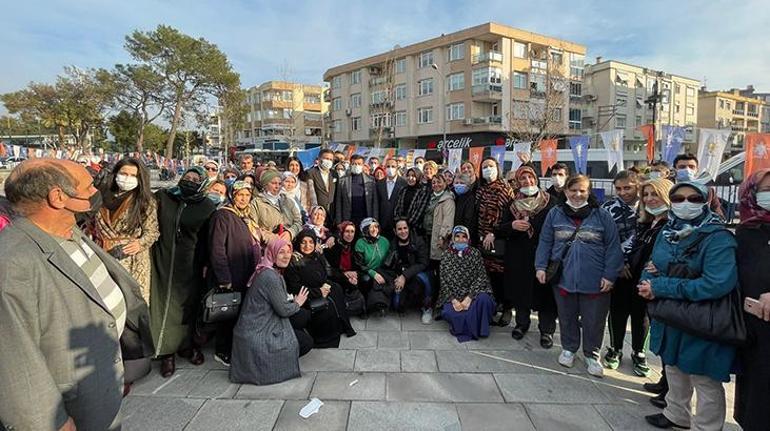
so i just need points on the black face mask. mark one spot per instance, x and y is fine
(96, 202)
(188, 188)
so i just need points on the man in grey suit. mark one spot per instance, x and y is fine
(69, 313)
(356, 195)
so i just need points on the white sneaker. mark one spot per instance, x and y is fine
(567, 359)
(427, 316)
(595, 367)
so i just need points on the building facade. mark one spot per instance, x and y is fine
(764, 115)
(477, 86)
(730, 109)
(286, 112)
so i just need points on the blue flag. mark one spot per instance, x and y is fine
(498, 152)
(308, 157)
(672, 142)
(579, 145)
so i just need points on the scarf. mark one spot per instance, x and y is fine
(271, 252)
(678, 229)
(200, 193)
(580, 213)
(751, 213)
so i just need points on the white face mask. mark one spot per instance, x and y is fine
(687, 210)
(529, 191)
(559, 181)
(391, 172)
(657, 211)
(489, 173)
(356, 169)
(576, 206)
(685, 174)
(126, 183)
(654, 175)
(419, 165)
(326, 164)
(763, 200)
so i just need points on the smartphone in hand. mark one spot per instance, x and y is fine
(752, 306)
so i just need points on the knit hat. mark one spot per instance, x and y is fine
(268, 175)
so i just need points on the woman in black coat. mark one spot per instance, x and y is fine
(308, 268)
(752, 387)
(466, 207)
(520, 225)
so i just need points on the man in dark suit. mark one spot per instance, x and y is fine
(387, 194)
(356, 196)
(70, 315)
(324, 180)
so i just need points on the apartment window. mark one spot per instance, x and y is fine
(287, 96)
(677, 88)
(557, 57)
(690, 110)
(312, 99)
(677, 108)
(721, 104)
(729, 105)
(519, 80)
(457, 52)
(424, 115)
(401, 65)
(355, 123)
(355, 100)
(621, 102)
(455, 111)
(287, 114)
(576, 65)
(400, 118)
(426, 59)
(456, 81)
(381, 120)
(537, 83)
(519, 50)
(575, 119)
(638, 120)
(355, 77)
(556, 114)
(379, 96)
(400, 91)
(620, 122)
(489, 75)
(337, 82)
(336, 104)
(575, 89)
(337, 126)
(690, 92)
(425, 87)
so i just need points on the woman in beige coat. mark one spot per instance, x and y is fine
(275, 213)
(438, 223)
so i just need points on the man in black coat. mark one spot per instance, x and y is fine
(356, 196)
(387, 194)
(324, 180)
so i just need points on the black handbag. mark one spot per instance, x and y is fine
(555, 267)
(497, 251)
(221, 305)
(318, 304)
(355, 304)
(719, 320)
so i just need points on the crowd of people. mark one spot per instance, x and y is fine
(98, 272)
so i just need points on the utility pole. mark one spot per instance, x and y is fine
(652, 102)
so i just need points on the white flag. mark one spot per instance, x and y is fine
(455, 159)
(521, 150)
(16, 151)
(613, 143)
(711, 145)
(419, 153)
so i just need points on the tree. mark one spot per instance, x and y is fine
(192, 69)
(37, 102)
(233, 114)
(124, 128)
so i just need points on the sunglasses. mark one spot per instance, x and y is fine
(695, 199)
(211, 169)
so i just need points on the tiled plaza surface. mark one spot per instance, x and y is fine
(398, 374)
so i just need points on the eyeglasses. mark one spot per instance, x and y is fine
(695, 199)
(211, 169)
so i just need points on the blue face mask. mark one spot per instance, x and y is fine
(460, 188)
(216, 198)
(460, 246)
(230, 181)
(685, 174)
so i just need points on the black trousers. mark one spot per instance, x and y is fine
(497, 279)
(434, 268)
(299, 322)
(546, 319)
(624, 303)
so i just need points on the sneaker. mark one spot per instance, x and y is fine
(566, 359)
(594, 367)
(612, 358)
(427, 317)
(222, 359)
(641, 368)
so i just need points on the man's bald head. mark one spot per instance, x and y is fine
(29, 184)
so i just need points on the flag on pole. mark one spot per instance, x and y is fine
(419, 153)
(403, 152)
(3, 151)
(476, 155)
(455, 159)
(308, 157)
(613, 143)
(350, 150)
(389, 153)
(579, 146)
(757, 152)
(711, 145)
(498, 152)
(672, 142)
(521, 151)
(16, 151)
(649, 135)
(547, 155)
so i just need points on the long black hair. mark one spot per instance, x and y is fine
(302, 176)
(142, 194)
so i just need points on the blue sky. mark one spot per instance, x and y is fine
(724, 42)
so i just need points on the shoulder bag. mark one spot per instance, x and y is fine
(220, 305)
(555, 267)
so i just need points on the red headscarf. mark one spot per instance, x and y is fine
(271, 252)
(751, 212)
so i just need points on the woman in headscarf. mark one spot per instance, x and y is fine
(178, 259)
(275, 213)
(344, 268)
(316, 222)
(309, 269)
(298, 193)
(752, 396)
(126, 225)
(370, 252)
(466, 296)
(267, 343)
(696, 238)
(413, 200)
(494, 197)
(234, 250)
(466, 207)
(520, 226)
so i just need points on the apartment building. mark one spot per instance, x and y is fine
(286, 112)
(477, 86)
(764, 115)
(616, 95)
(723, 109)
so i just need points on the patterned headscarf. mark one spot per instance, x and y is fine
(271, 253)
(751, 212)
(678, 229)
(525, 206)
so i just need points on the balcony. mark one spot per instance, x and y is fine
(374, 132)
(489, 56)
(494, 120)
(383, 104)
(739, 112)
(381, 80)
(491, 93)
(753, 114)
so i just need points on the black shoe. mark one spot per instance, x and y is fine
(546, 341)
(656, 388)
(505, 318)
(660, 421)
(659, 400)
(222, 358)
(382, 313)
(518, 332)
(350, 332)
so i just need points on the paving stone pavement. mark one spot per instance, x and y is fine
(408, 376)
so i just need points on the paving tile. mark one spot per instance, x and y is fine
(548, 361)
(547, 388)
(566, 417)
(294, 389)
(627, 417)
(454, 387)
(216, 384)
(332, 416)
(453, 361)
(152, 413)
(362, 340)
(328, 360)
(419, 361)
(378, 360)
(208, 364)
(396, 340)
(336, 386)
(427, 340)
(391, 322)
(178, 385)
(389, 416)
(252, 415)
(494, 417)
(496, 341)
(412, 322)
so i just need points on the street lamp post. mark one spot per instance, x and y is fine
(443, 101)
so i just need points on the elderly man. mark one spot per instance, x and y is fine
(69, 313)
